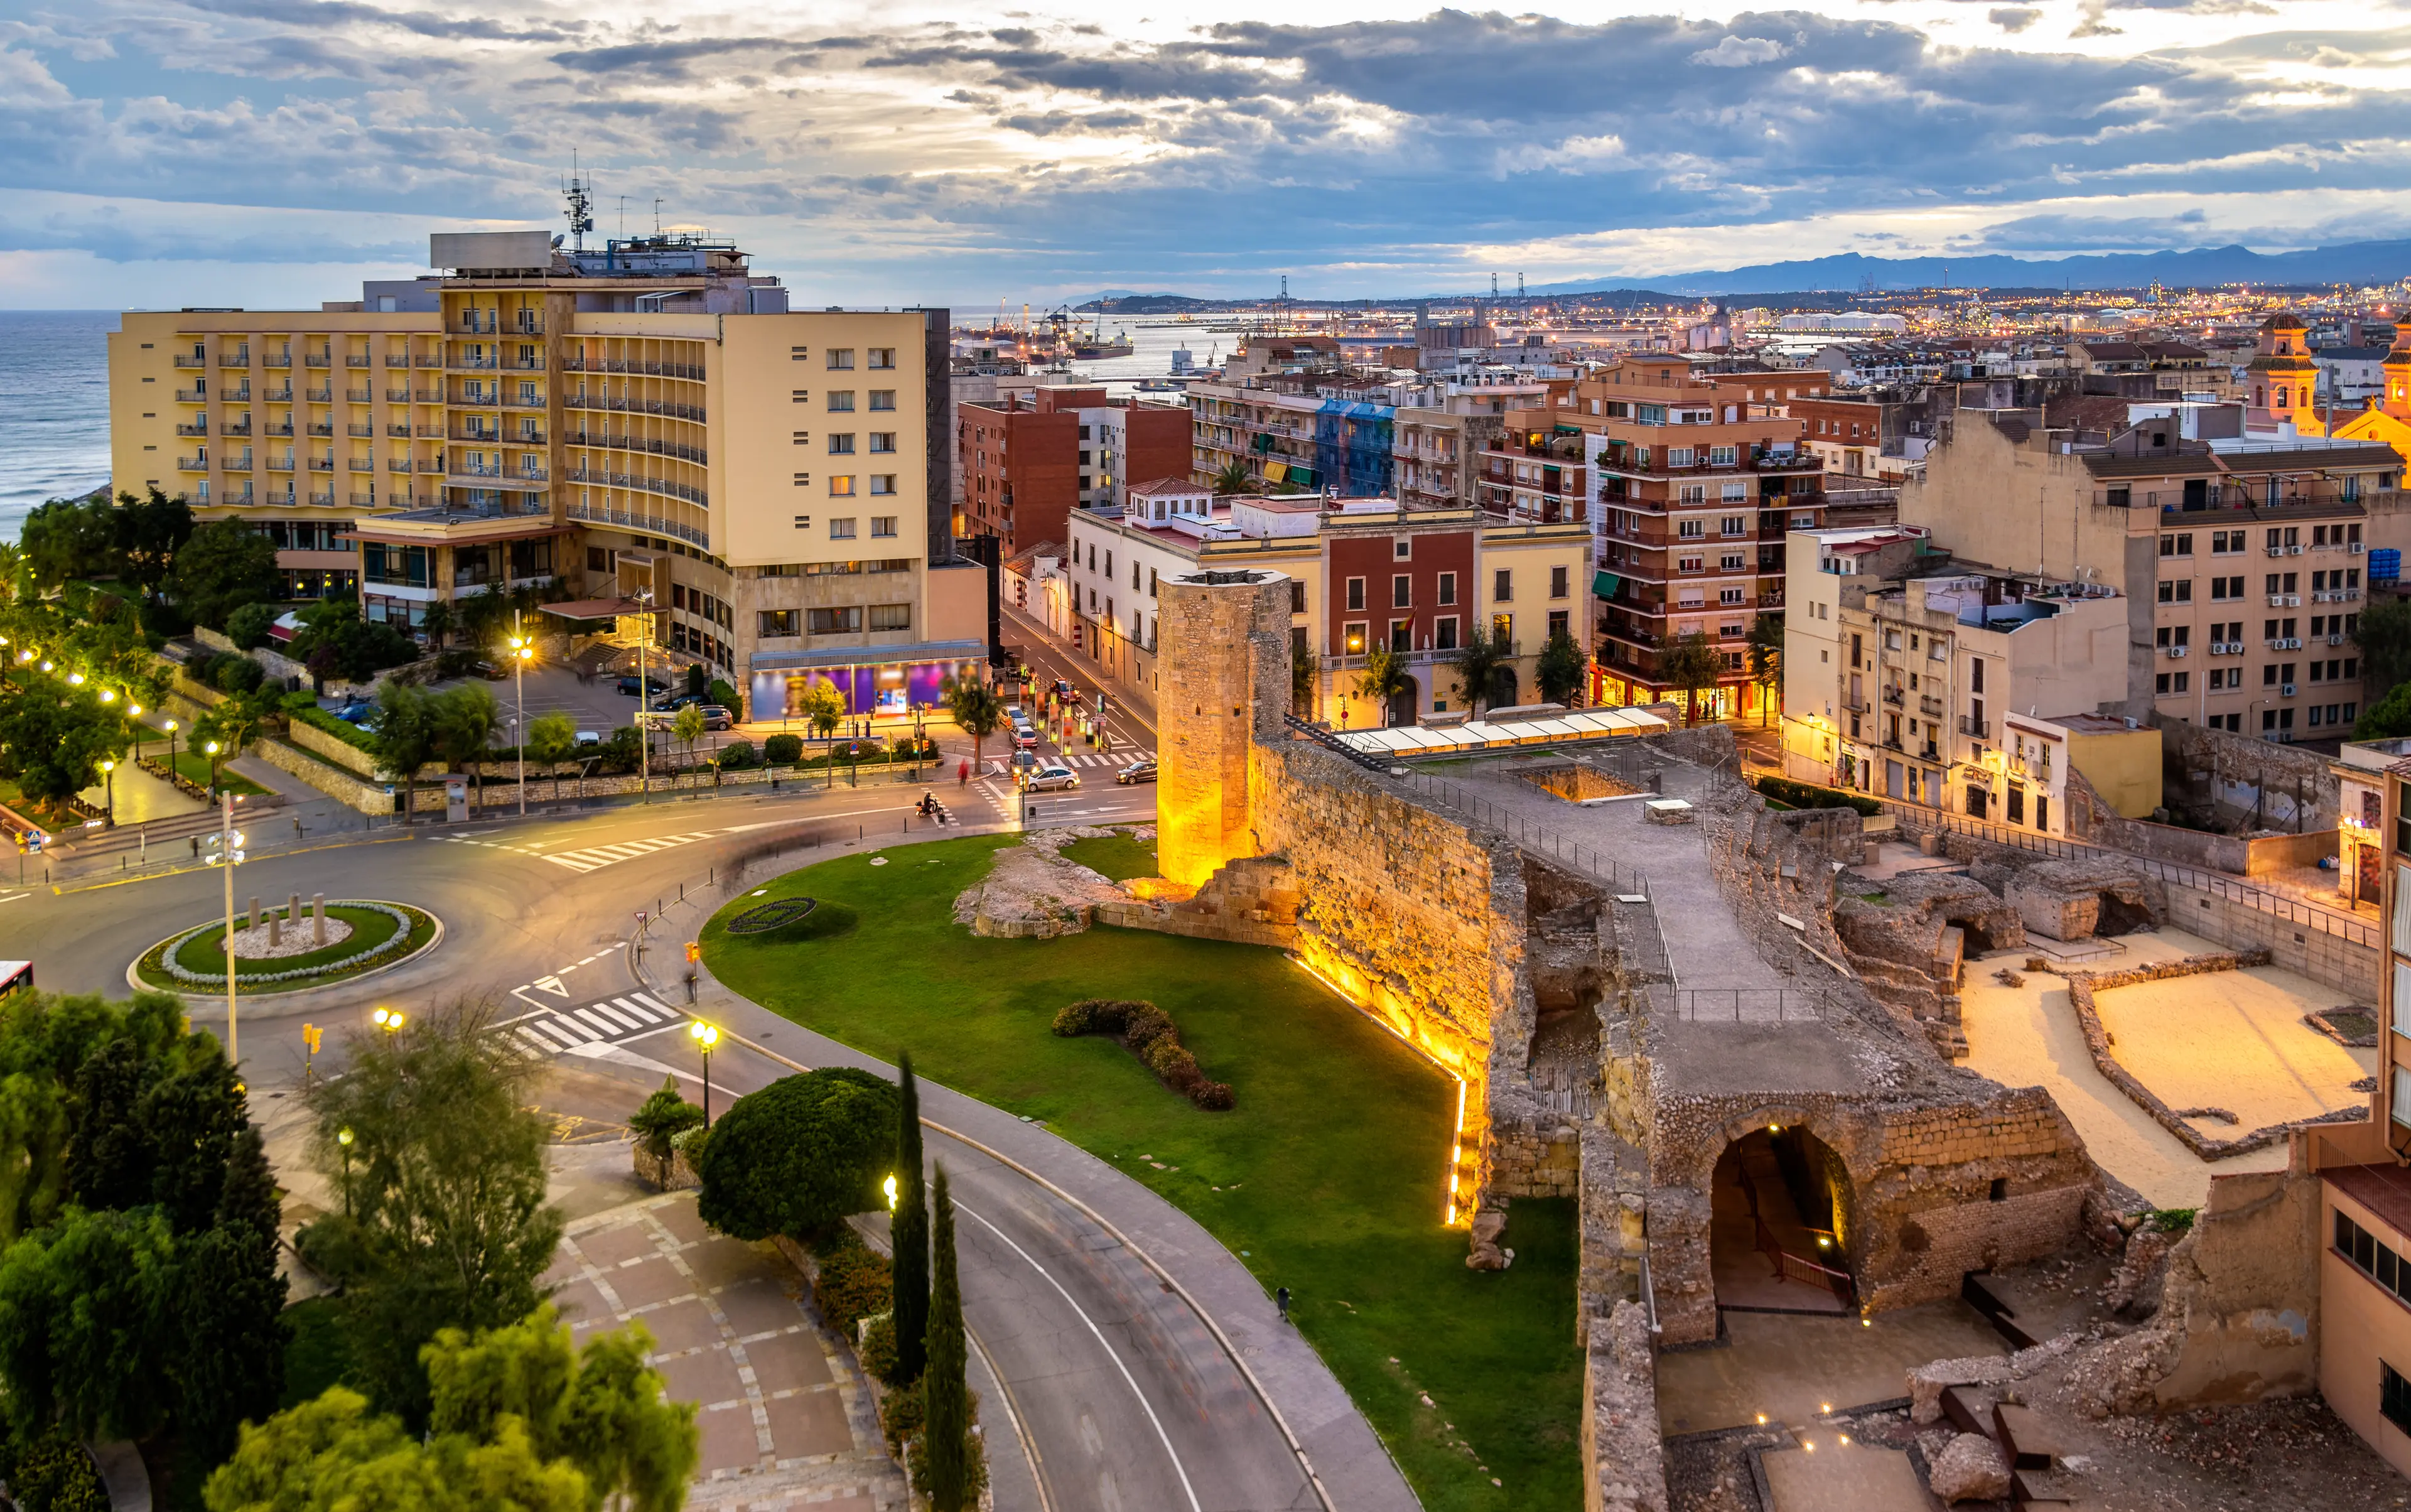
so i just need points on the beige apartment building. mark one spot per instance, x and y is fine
(2241, 563)
(1903, 664)
(1438, 445)
(645, 420)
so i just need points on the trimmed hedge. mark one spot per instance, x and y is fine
(1810, 796)
(342, 730)
(1149, 1032)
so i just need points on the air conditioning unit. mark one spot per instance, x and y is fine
(2218, 647)
(2355, 548)
(2293, 643)
(2276, 601)
(2177, 651)
(2288, 690)
(2335, 641)
(2276, 551)
(2293, 551)
(2293, 601)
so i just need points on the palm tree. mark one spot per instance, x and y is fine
(1234, 478)
(1477, 666)
(1385, 678)
(1691, 664)
(1765, 660)
(687, 724)
(552, 739)
(976, 708)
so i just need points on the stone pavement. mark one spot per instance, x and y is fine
(786, 1420)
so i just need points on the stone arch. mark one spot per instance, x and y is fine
(1783, 1226)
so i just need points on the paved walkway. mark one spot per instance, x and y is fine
(138, 797)
(786, 1419)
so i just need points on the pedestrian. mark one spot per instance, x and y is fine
(962, 772)
(1280, 1300)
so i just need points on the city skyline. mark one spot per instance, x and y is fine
(265, 151)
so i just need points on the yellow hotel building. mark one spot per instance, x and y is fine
(645, 418)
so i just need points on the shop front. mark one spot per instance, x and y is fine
(880, 681)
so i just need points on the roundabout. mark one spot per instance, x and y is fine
(361, 938)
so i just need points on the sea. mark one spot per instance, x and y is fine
(53, 407)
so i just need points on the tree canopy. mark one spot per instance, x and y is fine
(225, 565)
(1691, 662)
(1561, 669)
(799, 1155)
(975, 707)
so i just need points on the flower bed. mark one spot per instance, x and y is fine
(381, 934)
(1149, 1032)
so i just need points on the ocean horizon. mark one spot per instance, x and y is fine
(53, 407)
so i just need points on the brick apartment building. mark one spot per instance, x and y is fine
(1030, 460)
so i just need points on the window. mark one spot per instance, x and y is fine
(1729, 595)
(1353, 638)
(2225, 587)
(1691, 530)
(1448, 588)
(891, 616)
(831, 622)
(1402, 634)
(880, 357)
(1445, 633)
(882, 399)
(841, 486)
(1296, 592)
(841, 401)
(1502, 627)
(1403, 547)
(2393, 1392)
(1723, 456)
(1730, 562)
(776, 621)
(882, 441)
(803, 396)
(1355, 592)
(1736, 525)
(881, 524)
(840, 443)
(1680, 456)
(1402, 591)
(885, 483)
(1502, 586)
(2177, 545)
(841, 528)
(1561, 622)
(2177, 593)
(597, 559)
(840, 359)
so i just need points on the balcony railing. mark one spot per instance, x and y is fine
(1976, 729)
(470, 476)
(321, 428)
(459, 362)
(429, 359)
(360, 430)
(392, 361)
(361, 464)
(196, 428)
(356, 359)
(637, 443)
(633, 480)
(193, 464)
(280, 464)
(244, 428)
(634, 407)
(322, 465)
(600, 514)
(192, 396)
(286, 429)
(358, 396)
(185, 360)
(315, 360)
(396, 430)
(318, 396)
(239, 358)
(396, 396)
(323, 501)
(654, 370)
(364, 501)
(279, 396)
(1897, 698)
(281, 357)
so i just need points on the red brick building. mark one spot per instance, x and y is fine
(1027, 463)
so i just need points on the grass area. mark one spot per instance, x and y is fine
(1116, 857)
(1327, 1178)
(203, 954)
(56, 818)
(194, 767)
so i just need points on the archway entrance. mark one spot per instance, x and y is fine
(1779, 1224)
(1404, 702)
(2119, 916)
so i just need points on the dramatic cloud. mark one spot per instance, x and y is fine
(901, 154)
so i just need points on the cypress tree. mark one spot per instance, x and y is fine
(911, 1230)
(945, 1391)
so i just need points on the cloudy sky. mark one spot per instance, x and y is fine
(263, 151)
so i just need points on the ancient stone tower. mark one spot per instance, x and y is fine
(1225, 640)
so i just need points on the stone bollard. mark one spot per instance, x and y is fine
(275, 932)
(317, 919)
(293, 910)
(255, 913)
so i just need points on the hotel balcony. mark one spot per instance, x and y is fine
(601, 514)
(360, 430)
(650, 445)
(323, 501)
(239, 358)
(320, 428)
(356, 359)
(315, 360)
(279, 396)
(280, 464)
(187, 360)
(286, 429)
(358, 396)
(282, 359)
(459, 363)
(192, 396)
(635, 406)
(322, 465)
(494, 478)
(194, 428)
(193, 464)
(319, 396)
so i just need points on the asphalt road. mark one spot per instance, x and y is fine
(1125, 1398)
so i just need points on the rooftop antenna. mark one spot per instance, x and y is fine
(580, 194)
(1493, 285)
(624, 217)
(657, 217)
(1519, 286)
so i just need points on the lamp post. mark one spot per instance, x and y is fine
(228, 855)
(343, 1138)
(213, 771)
(388, 1019)
(520, 652)
(108, 803)
(173, 776)
(706, 1037)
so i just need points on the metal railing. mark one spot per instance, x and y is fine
(1719, 1003)
(604, 514)
(1619, 878)
(637, 480)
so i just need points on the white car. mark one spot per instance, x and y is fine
(1047, 779)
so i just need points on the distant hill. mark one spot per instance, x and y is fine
(2355, 262)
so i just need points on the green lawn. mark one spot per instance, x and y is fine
(194, 767)
(1325, 1178)
(1116, 857)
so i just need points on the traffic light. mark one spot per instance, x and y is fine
(694, 952)
(311, 1034)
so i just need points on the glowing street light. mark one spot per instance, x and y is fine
(343, 1138)
(888, 1186)
(388, 1019)
(109, 808)
(705, 1037)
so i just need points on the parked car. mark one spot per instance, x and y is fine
(491, 671)
(628, 686)
(1137, 771)
(716, 717)
(353, 713)
(589, 737)
(1047, 779)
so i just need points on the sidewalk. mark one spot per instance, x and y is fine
(1340, 1445)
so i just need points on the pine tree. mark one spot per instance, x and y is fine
(911, 1230)
(947, 1394)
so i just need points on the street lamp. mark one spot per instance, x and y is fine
(109, 808)
(226, 851)
(171, 753)
(214, 770)
(706, 1037)
(343, 1138)
(388, 1019)
(521, 653)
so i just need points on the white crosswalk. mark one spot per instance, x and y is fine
(610, 1022)
(595, 857)
(1116, 760)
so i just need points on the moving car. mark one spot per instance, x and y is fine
(1025, 735)
(628, 686)
(1137, 771)
(1048, 778)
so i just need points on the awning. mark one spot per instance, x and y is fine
(1605, 584)
(1301, 477)
(1275, 471)
(918, 651)
(593, 609)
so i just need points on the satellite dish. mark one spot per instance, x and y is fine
(557, 241)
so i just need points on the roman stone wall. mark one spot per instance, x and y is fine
(1624, 1455)
(2241, 781)
(1226, 690)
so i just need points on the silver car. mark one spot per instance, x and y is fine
(1047, 779)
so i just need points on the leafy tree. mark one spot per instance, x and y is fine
(331, 1455)
(687, 725)
(1691, 662)
(1561, 670)
(552, 739)
(67, 538)
(1234, 478)
(1766, 661)
(407, 738)
(334, 641)
(2383, 633)
(146, 535)
(248, 626)
(446, 1225)
(1385, 678)
(234, 724)
(225, 565)
(945, 1391)
(799, 1155)
(53, 1473)
(1485, 655)
(910, 1232)
(2388, 719)
(465, 719)
(435, 622)
(976, 708)
(87, 1325)
(1302, 668)
(54, 736)
(665, 1116)
(15, 583)
(697, 680)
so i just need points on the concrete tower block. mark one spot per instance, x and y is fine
(1224, 661)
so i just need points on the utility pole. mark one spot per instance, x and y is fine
(518, 675)
(225, 863)
(644, 697)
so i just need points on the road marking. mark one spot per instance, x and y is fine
(1178, 1469)
(551, 984)
(14, 896)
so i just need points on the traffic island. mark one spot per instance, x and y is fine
(289, 949)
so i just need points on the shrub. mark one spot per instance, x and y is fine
(691, 1143)
(784, 750)
(737, 756)
(164, 617)
(855, 1280)
(1213, 1096)
(878, 1348)
(235, 674)
(1146, 1026)
(248, 626)
(725, 696)
(901, 1415)
(663, 1117)
(1810, 796)
(1093, 1016)
(799, 1155)
(1147, 1033)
